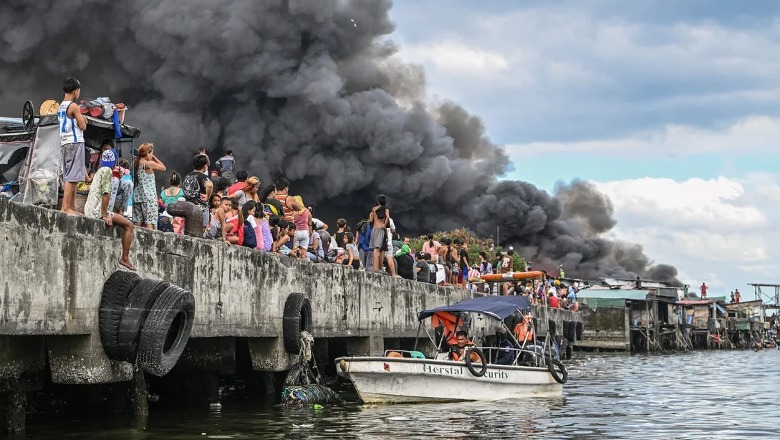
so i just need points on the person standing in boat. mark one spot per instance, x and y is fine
(458, 351)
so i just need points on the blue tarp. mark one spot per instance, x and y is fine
(498, 307)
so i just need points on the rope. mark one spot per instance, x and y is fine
(307, 342)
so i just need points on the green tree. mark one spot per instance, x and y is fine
(474, 244)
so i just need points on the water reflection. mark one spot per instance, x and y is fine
(728, 394)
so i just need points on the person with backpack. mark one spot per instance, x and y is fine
(197, 186)
(364, 230)
(250, 225)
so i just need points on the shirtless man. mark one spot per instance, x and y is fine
(443, 256)
(379, 221)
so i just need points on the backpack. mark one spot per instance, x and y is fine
(364, 242)
(275, 207)
(250, 240)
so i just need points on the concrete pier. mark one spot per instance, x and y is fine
(55, 266)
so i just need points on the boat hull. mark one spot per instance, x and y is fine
(404, 380)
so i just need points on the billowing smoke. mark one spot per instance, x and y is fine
(308, 90)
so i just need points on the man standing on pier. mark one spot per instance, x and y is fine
(72, 126)
(197, 186)
(225, 166)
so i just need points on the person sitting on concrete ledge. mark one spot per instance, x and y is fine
(97, 204)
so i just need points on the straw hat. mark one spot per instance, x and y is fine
(49, 107)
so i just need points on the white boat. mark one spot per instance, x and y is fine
(408, 376)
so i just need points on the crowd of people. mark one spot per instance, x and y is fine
(239, 210)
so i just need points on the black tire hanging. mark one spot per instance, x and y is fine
(560, 375)
(551, 327)
(579, 327)
(470, 364)
(112, 301)
(297, 318)
(166, 331)
(28, 117)
(137, 307)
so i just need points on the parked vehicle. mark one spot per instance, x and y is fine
(30, 152)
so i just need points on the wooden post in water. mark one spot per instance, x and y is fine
(656, 326)
(647, 326)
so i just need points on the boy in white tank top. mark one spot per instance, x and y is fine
(72, 126)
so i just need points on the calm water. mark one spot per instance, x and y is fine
(727, 394)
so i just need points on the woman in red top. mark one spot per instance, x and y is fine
(234, 233)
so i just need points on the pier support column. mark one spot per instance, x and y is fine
(366, 346)
(12, 403)
(138, 399)
(269, 381)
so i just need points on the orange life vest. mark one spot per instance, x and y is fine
(524, 331)
(456, 352)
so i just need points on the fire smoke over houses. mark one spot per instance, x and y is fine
(312, 91)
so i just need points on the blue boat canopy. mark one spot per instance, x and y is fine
(498, 307)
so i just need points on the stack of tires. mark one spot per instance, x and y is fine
(145, 321)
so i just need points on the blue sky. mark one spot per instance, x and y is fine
(671, 108)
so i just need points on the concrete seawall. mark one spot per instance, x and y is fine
(56, 265)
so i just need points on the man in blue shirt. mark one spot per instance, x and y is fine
(225, 165)
(571, 298)
(506, 353)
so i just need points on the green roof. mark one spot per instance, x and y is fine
(607, 303)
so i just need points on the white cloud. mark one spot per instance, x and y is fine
(457, 58)
(691, 205)
(721, 231)
(753, 134)
(561, 70)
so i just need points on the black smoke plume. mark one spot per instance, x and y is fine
(312, 91)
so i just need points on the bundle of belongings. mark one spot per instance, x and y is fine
(103, 108)
(100, 108)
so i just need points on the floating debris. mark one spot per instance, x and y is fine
(305, 395)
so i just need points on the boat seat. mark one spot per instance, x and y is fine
(416, 355)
